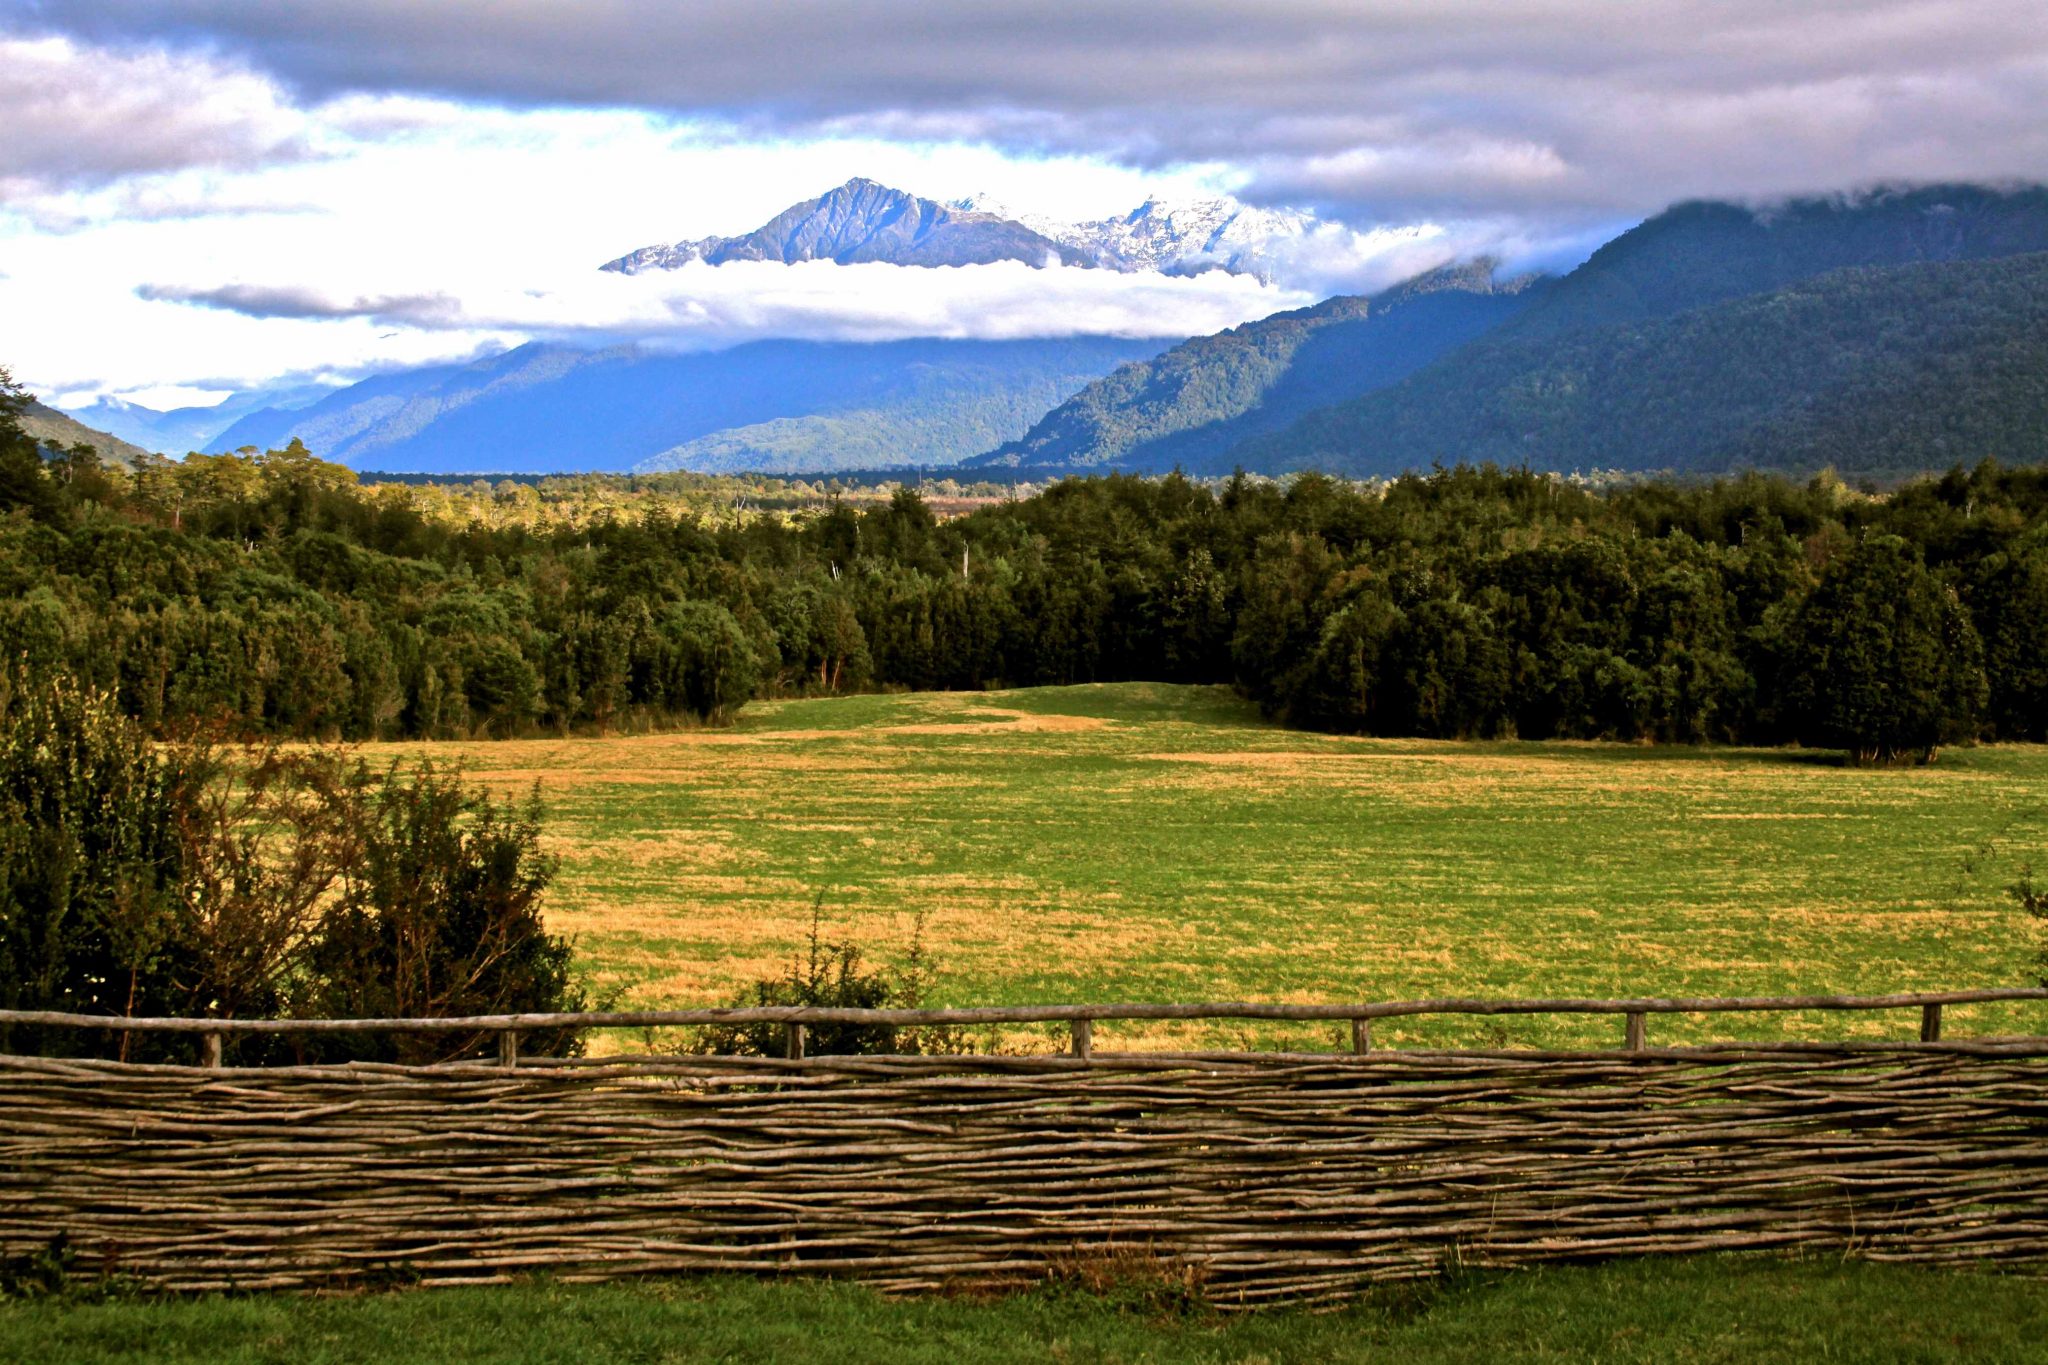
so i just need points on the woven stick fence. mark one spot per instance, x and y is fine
(1264, 1177)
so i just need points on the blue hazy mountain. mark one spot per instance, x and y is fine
(177, 430)
(771, 405)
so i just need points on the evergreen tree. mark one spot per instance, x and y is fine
(1885, 663)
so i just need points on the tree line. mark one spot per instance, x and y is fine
(268, 591)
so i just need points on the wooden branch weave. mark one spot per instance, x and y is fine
(1266, 1177)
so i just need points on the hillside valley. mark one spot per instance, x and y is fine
(55, 430)
(1191, 406)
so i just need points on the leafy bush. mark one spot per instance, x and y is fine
(191, 878)
(440, 915)
(92, 858)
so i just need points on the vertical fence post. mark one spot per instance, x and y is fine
(508, 1047)
(1634, 1037)
(1084, 1037)
(1930, 1023)
(793, 1042)
(1361, 1036)
(209, 1049)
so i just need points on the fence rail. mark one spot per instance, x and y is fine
(1081, 1018)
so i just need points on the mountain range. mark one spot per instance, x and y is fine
(192, 428)
(1185, 237)
(1892, 330)
(862, 221)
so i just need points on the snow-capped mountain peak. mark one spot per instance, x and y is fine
(863, 221)
(1181, 237)
(866, 221)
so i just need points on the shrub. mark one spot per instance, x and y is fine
(439, 914)
(92, 859)
(191, 878)
(835, 975)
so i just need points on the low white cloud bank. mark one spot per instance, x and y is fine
(702, 306)
(198, 330)
(199, 196)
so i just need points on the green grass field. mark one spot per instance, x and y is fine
(1146, 842)
(1653, 1311)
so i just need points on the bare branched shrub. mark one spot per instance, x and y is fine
(1131, 1276)
(266, 837)
(835, 974)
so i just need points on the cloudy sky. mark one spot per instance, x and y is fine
(350, 184)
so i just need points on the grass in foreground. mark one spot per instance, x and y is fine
(1714, 1309)
(1149, 842)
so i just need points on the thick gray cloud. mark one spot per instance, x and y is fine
(74, 114)
(1556, 109)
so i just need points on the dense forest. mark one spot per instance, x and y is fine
(273, 592)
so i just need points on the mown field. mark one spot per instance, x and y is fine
(1694, 1311)
(1148, 842)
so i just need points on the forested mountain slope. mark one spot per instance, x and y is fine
(1701, 253)
(58, 431)
(1878, 370)
(1192, 404)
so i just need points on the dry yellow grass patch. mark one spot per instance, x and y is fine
(694, 849)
